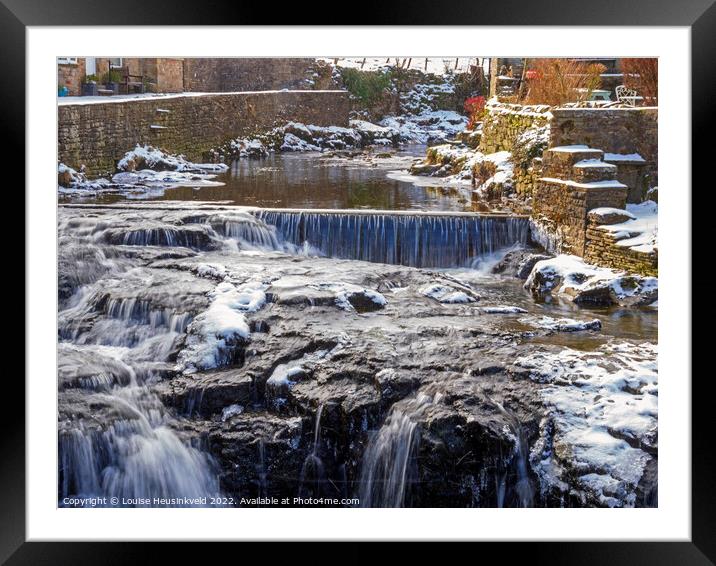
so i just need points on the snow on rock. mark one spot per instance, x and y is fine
(287, 374)
(245, 147)
(148, 157)
(447, 294)
(583, 283)
(562, 324)
(70, 181)
(601, 422)
(148, 178)
(214, 333)
(211, 270)
(351, 297)
(503, 309)
(635, 157)
(231, 411)
(429, 127)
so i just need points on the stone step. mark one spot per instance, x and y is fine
(558, 161)
(593, 170)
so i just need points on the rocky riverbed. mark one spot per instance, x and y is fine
(203, 355)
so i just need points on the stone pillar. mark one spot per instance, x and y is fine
(575, 180)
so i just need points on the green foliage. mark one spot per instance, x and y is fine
(367, 86)
(91, 78)
(112, 76)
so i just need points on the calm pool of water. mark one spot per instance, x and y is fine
(312, 180)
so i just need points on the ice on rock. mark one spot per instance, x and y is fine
(447, 294)
(214, 333)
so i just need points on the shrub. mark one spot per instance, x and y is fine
(556, 81)
(112, 76)
(643, 76)
(367, 86)
(475, 109)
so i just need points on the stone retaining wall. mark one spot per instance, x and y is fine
(601, 249)
(98, 134)
(504, 123)
(613, 130)
(575, 181)
(562, 206)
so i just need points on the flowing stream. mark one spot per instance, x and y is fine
(167, 307)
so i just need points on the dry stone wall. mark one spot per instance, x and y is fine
(503, 123)
(97, 135)
(601, 248)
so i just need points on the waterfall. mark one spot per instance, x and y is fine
(524, 491)
(135, 458)
(312, 472)
(416, 240)
(116, 440)
(389, 462)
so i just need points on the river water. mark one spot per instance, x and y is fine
(161, 297)
(342, 180)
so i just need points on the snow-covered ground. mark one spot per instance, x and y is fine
(602, 426)
(435, 65)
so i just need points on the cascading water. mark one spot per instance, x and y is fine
(389, 465)
(312, 472)
(416, 240)
(115, 437)
(524, 491)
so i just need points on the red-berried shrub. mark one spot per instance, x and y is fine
(474, 108)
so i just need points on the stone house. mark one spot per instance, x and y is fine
(158, 74)
(217, 74)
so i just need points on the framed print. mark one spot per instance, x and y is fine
(293, 284)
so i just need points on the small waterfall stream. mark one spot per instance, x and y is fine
(312, 472)
(389, 461)
(524, 491)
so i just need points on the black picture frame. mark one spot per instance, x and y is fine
(699, 15)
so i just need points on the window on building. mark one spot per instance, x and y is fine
(67, 60)
(115, 62)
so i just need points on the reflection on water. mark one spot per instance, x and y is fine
(313, 180)
(626, 323)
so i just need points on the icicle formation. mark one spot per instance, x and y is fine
(416, 240)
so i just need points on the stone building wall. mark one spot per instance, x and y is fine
(613, 130)
(601, 249)
(504, 123)
(247, 73)
(71, 75)
(97, 135)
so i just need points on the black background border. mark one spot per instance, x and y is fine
(16, 15)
